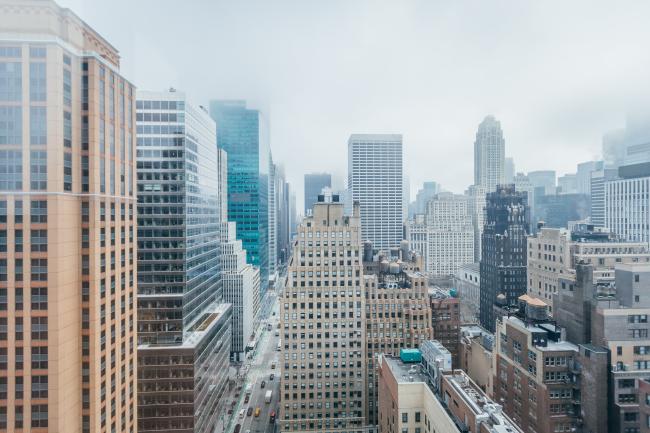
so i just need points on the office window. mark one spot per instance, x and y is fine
(39, 240)
(18, 212)
(11, 125)
(11, 81)
(39, 415)
(39, 357)
(67, 171)
(39, 298)
(37, 125)
(38, 170)
(11, 168)
(67, 129)
(85, 173)
(38, 211)
(39, 386)
(39, 270)
(39, 328)
(67, 87)
(37, 81)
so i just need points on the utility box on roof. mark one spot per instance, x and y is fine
(410, 355)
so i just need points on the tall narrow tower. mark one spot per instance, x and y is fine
(503, 260)
(489, 154)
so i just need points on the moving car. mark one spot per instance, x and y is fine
(263, 384)
(271, 376)
(249, 412)
(268, 396)
(257, 412)
(272, 417)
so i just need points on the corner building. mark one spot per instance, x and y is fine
(322, 318)
(67, 238)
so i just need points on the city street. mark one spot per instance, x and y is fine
(258, 369)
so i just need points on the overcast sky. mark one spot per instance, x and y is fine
(556, 74)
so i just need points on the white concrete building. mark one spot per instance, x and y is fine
(468, 283)
(627, 208)
(375, 180)
(241, 288)
(477, 196)
(450, 234)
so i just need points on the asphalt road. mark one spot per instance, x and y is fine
(259, 370)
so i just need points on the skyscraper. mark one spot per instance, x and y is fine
(424, 194)
(322, 322)
(503, 259)
(183, 329)
(67, 229)
(476, 197)
(375, 180)
(314, 183)
(627, 203)
(242, 133)
(509, 170)
(545, 179)
(489, 154)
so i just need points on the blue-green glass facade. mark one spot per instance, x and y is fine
(242, 133)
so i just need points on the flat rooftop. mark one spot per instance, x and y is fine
(405, 372)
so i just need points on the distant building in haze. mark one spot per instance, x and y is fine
(375, 181)
(489, 154)
(314, 183)
(243, 134)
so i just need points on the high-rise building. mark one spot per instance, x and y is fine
(424, 194)
(509, 170)
(536, 375)
(557, 210)
(627, 203)
(545, 179)
(375, 181)
(243, 134)
(314, 184)
(183, 329)
(614, 148)
(598, 179)
(241, 288)
(489, 155)
(476, 355)
(389, 330)
(273, 220)
(583, 175)
(67, 226)
(567, 184)
(477, 196)
(323, 325)
(503, 259)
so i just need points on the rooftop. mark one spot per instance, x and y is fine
(405, 372)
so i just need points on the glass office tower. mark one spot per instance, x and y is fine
(184, 331)
(242, 133)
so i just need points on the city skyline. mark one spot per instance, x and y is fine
(561, 95)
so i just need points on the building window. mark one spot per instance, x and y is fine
(67, 129)
(37, 125)
(39, 270)
(38, 170)
(67, 171)
(11, 168)
(38, 211)
(11, 125)
(37, 81)
(39, 298)
(11, 81)
(39, 415)
(39, 240)
(39, 328)
(67, 87)
(39, 386)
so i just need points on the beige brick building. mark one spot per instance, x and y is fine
(398, 315)
(67, 228)
(322, 324)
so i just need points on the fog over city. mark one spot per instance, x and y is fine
(556, 74)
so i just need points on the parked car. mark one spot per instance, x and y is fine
(249, 412)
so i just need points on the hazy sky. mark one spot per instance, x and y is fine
(556, 74)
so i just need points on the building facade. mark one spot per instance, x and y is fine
(468, 284)
(180, 318)
(241, 288)
(627, 203)
(243, 134)
(544, 179)
(67, 226)
(535, 371)
(375, 181)
(549, 259)
(477, 198)
(445, 319)
(598, 179)
(397, 315)
(451, 234)
(489, 155)
(503, 260)
(322, 324)
(313, 185)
